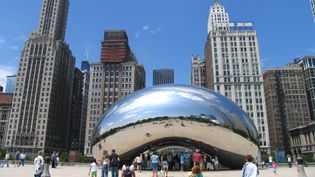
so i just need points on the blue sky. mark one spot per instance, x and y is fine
(164, 33)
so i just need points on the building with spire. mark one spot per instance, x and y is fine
(40, 113)
(233, 66)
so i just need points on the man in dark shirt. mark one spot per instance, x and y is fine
(114, 163)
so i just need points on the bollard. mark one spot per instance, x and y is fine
(46, 167)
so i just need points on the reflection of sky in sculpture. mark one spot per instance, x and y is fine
(175, 101)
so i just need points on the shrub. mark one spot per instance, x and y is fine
(64, 157)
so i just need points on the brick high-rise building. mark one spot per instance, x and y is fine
(40, 113)
(287, 105)
(5, 108)
(233, 66)
(116, 76)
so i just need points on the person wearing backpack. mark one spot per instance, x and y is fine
(128, 171)
(114, 163)
(249, 168)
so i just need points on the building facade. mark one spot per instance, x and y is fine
(308, 64)
(233, 66)
(1, 89)
(287, 105)
(110, 80)
(10, 85)
(313, 8)
(198, 71)
(303, 141)
(40, 113)
(5, 108)
(76, 111)
(163, 76)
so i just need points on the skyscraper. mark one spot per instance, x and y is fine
(308, 65)
(117, 75)
(313, 8)
(40, 113)
(233, 66)
(85, 66)
(10, 85)
(163, 76)
(287, 105)
(198, 71)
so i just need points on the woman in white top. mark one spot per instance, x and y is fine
(39, 165)
(249, 168)
(105, 165)
(139, 163)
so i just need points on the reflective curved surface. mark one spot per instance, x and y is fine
(182, 115)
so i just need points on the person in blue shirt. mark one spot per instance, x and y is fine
(154, 164)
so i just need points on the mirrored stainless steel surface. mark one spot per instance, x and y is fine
(177, 115)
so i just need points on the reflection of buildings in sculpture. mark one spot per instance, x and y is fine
(40, 113)
(177, 115)
(198, 71)
(287, 106)
(303, 140)
(5, 108)
(233, 66)
(163, 76)
(111, 79)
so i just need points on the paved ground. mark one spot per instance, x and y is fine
(76, 171)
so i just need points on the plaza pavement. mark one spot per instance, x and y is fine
(82, 171)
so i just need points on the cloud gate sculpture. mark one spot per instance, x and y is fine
(177, 115)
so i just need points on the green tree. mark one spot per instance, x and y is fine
(64, 157)
(2, 153)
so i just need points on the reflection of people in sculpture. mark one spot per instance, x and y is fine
(300, 167)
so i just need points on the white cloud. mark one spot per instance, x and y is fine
(14, 48)
(2, 41)
(4, 72)
(312, 50)
(147, 29)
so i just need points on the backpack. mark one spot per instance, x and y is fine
(127, 172)
(114, 161)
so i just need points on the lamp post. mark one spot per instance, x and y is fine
(46, 167)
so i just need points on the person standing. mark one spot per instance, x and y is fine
(39, 164)
(182, 161)
(165, 165)
(114, 163)
(270, 161)
(300, 167)
(154, 164)
(53, 159)
(6, 160)
(249, 168)
(128, 171)
(197, 158)
(22, 159)
(274, 167)
(93, 168)
(139, 163)
(17, 158)
(148, 161)
(289, 160)
(105, 165)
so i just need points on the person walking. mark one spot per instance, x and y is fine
(165, 165)
(300, 167)
(289, 160)
(93, 168)
(22, 159)
(17, 159)
(274, 167)
(6, 160)
(139, 163)
(249, 168)
(38, 164)
(114, 163)
(105, 165)
(154, 164)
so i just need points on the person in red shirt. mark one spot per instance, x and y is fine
(197, 158)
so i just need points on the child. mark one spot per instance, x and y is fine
(195, 172)
(274, 167)
(93, 168)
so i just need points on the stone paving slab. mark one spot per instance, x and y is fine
(75, 171)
